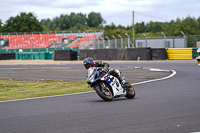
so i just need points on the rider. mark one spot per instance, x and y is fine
(198, 51)
(89, 62)
(198, 57)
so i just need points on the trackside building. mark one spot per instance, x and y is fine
(169, 42)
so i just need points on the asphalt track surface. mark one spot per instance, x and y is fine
(166, 106)
(72, 72)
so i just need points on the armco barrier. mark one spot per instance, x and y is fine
(64, 55)
(159, 54)
(7, 56)
(179, 53)
(117, 54)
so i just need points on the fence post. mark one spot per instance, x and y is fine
(164, 39)
(115, 41)
(103, 42)
(185, 45)
(128, 40)
(121, 41)
(108, 41)
(145, 39)
(79, 43)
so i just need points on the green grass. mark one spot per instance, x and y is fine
(14, 89)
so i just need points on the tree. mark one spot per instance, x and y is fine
(1, 25)
(74, 21)
(120, 27)
(140, 27)
(24, 22)
(48, 23)
(153, 27)
(198, 21)
(95, 20)
(66, 22)
(189, 26)
(77, 20)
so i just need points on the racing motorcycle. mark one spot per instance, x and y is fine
(198, 58)
(108, 86)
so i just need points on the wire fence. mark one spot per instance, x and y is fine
(78, 33)
(192, 40)
(44, 40)
(106, 44)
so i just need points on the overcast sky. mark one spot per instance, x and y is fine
(116, 11)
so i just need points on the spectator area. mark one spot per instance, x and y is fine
(34, 40)
(45, 40)
(86, 38)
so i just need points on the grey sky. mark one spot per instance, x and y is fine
(116, 11)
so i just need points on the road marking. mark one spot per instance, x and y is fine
(46, 97)
(173, 73)
(148, 81)
(153, 69)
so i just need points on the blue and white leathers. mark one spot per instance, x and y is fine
(95, 77)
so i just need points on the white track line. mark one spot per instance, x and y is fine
(173, 73)
(46, 97)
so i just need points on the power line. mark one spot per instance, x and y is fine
(151, 16)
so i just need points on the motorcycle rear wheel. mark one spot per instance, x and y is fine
(130, 92)
(104, 92)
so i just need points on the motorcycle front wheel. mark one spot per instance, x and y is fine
(104, 92)
(130, 92)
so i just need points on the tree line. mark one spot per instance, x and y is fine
(28, 22)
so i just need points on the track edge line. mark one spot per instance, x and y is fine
(143, 82)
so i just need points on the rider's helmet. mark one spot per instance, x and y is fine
(88, 62)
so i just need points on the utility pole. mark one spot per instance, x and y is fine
(133, 31)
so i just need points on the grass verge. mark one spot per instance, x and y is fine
(15, 89)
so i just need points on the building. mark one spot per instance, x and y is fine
(169, 42)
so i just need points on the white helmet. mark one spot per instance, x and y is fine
(198, 50)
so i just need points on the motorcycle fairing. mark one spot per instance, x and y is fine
(114, 83)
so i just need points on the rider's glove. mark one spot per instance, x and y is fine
(110, 70)
(101, 69)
